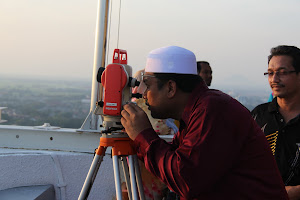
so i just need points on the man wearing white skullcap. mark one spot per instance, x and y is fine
(219, 151)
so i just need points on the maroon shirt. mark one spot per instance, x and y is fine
(218, 153)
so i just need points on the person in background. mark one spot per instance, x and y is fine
(280, 119)
(204, 70)
(219, 151)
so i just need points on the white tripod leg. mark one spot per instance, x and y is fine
(139, 177)
(88, 183)
(126, 175)
(117, 177)
(132, 178)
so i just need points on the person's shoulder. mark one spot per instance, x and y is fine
(209, 97)
(216, 95)
(218, 100)
(261, 113)
(262, 108)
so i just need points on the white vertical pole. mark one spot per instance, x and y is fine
(91, 122)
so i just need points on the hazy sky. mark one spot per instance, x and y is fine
(56, 38)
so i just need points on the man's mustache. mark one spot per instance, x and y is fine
(277, 85)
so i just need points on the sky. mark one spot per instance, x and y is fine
(55, 39)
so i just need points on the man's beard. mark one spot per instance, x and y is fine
(154, 113)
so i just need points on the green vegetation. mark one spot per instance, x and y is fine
(35, 102)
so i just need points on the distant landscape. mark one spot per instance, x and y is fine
(66, 104)
(35, 102)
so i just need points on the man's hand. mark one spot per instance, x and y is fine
(293, 192)
(134, 120)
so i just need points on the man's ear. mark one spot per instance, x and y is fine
(172, 88)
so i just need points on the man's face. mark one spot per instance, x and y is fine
(286, 85)
(206, 73)
(155, 98)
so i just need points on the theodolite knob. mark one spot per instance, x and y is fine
(100, 103)
(99, 74)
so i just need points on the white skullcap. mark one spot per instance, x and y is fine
(171, 59)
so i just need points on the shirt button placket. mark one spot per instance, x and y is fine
(282, 122)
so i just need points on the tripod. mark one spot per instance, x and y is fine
(121, 149)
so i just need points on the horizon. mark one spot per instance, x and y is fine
(36, 92)
(250, 90)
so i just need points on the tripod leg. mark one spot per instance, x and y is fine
(88, 183)
(138, 177)
(117, 177)
(132, 178)
(126, 175)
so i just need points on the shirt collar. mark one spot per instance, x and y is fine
(273, 106)
(196, 93)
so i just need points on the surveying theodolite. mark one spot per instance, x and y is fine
(117, 82)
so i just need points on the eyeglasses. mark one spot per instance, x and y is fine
(142, 87)
(278, 73)
(146, 75)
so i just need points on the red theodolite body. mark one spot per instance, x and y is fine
(117, 82)
(114, 79)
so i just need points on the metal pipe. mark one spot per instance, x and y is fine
(117, 177)
(91, 122)
(134, 191)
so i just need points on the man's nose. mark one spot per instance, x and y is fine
(275, 77)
